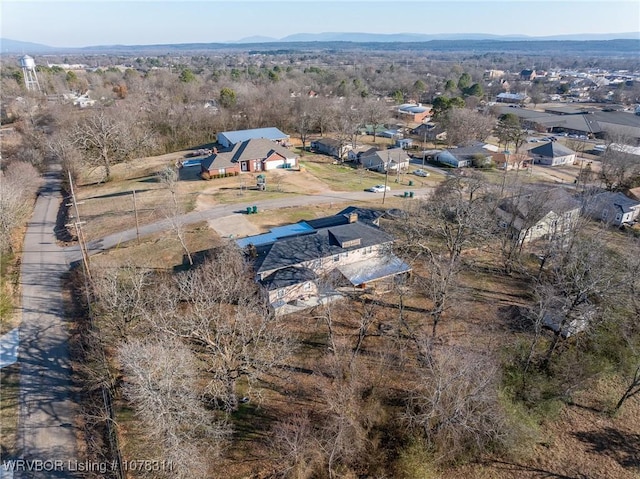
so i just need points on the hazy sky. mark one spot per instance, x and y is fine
(106, 22)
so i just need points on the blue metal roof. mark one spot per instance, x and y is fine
(274, 234)
(270, 133)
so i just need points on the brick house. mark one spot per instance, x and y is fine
(249, 156)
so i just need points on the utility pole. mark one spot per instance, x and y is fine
(135, 211)
(386, 180)
(424, 147)
(77, 224)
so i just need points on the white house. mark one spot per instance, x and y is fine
(552, 154)
(447, 158)
(542, 214)
(613, 208)
(391, 160)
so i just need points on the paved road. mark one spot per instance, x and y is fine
(221, 211)
(47, 409)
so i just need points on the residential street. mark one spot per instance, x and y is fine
(47, 407)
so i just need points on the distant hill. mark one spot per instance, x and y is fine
(422, 37)
(16, 46)
(256, 39)
(478, 43)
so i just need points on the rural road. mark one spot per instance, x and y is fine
(221, 211)
(47, 409)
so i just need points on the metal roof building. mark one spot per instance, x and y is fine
(229, 138)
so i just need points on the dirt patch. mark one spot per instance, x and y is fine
(233, 226)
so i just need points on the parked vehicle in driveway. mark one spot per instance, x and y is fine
(378, 189)
(421, 172)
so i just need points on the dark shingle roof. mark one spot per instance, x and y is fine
(288, 276)
(618, 200)
(535, 206)
(255, 149)
(293, 251)
(551, 150)
(365, 215)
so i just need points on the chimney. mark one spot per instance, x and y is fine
(353, 217)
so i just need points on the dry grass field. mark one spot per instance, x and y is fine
(577, 440)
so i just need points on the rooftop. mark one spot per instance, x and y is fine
(270, 133)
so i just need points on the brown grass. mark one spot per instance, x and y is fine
(9, 409)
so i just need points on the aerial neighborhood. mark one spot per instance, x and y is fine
(326, 256)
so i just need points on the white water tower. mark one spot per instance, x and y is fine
(28, 65)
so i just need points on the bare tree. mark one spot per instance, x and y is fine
(62, 149)
(220, 311)
(455, 217)
(376, 113)
(296, 447)
(323, 114)
(464, 125)
(302, 119)
(18, 185)
(455, 405)
(107, 137)
(348, 118)
(162, 385)
(169, 177)
(579, 279)
(122, 300)
(618, 166)
(633, 389)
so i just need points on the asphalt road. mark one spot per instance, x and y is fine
(47, 408)
(221, 211)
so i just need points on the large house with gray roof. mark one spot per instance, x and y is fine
(249, 156)
(307, 259)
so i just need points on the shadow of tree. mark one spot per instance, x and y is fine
(535, 471)
(623, 447)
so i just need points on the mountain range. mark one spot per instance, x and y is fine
(313, 39)
(426, 37)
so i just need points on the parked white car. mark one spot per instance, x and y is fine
(378, 189)
(421, 173)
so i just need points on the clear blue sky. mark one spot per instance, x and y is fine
(106, 22)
